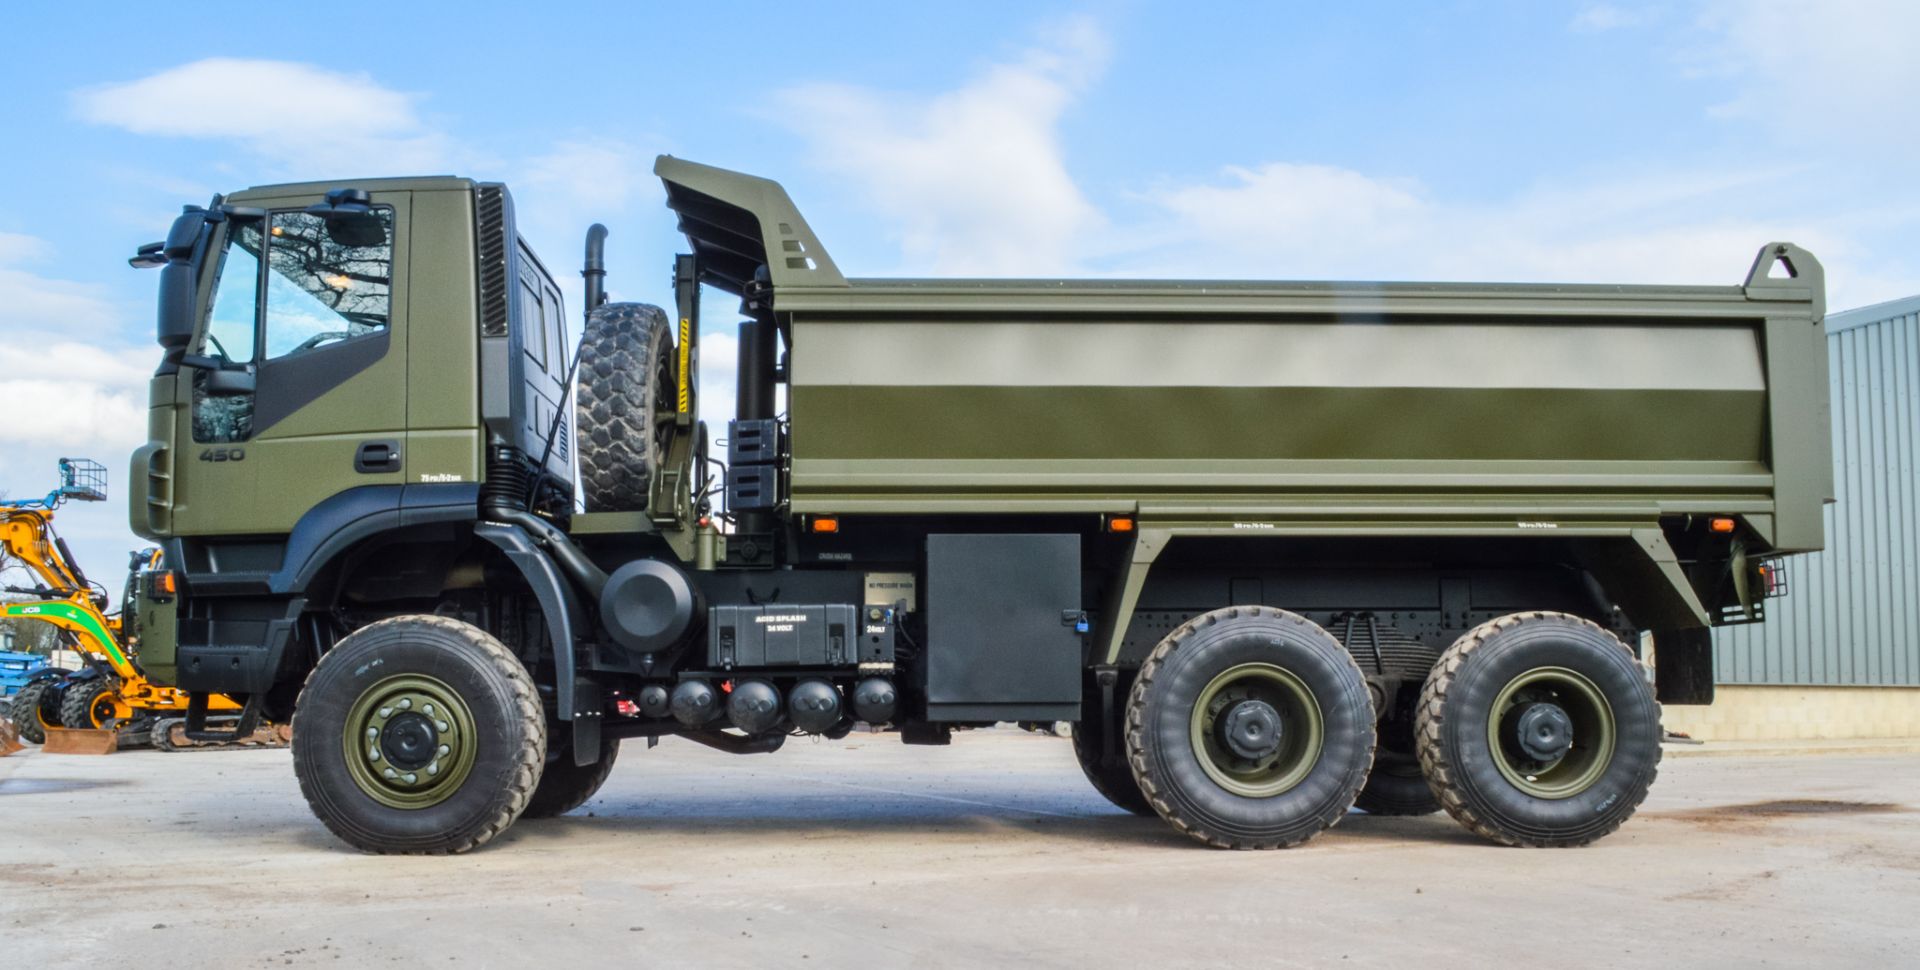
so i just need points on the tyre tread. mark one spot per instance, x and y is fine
(619, 447)
(76, 705)
(530, 758)
(1443, 776)
(1136, 726)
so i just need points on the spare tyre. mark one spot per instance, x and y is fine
(625, 404)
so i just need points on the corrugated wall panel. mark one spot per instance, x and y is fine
(1852, 613)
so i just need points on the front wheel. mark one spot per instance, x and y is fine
(1250, 728)
(1538, 729)
(419, 735)
(91, 706)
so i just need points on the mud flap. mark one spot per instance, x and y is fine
(1683, 666)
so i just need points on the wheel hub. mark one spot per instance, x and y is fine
(1256, 729)
(1551, 732)
(1252, 729)
(409, 741)
(1545, 732)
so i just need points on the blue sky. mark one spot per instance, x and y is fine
(1580, 141)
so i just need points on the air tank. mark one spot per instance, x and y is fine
(814, 706)
(754, 706)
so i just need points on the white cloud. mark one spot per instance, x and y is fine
(974, 181)
(1598, 17)
(559, 193)
(64, 374)
(1296, 221)
(15, 247)
(69, 388)
(307, 120)
(598, 174)
(975, 178)
(1840, 72)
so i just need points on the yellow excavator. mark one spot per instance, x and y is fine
(113, 692)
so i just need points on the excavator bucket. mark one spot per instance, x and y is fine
(88, 741)
(9, 737)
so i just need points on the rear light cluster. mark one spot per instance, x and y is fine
(1773, 579)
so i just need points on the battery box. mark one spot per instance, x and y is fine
(781, 635)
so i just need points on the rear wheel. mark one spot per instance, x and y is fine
(626, 390)
(418, 734)
(1111, 777)
(1538, 729)
(1250, 728)
(91, 706)
(1396, 785)
(565, 786)
(32, 711)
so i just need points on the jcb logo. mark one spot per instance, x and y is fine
(224, 454)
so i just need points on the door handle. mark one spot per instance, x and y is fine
(377, 457)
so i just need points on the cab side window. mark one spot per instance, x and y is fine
(328, 280)
(289, 285)
(534, 342)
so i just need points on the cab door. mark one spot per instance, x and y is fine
(307, 322)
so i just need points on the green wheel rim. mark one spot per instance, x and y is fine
(1594, 732)
(413, 706)
(1302, 732)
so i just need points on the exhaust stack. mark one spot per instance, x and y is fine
(596, 267)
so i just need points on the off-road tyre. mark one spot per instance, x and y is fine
(1161, 707)
(1396, 786)
(82, 705)
(565, 786)
(1452, 734)
(1112, 779)
(626, 388)
(29, 711)
(509, 734)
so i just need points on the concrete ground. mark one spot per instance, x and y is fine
(993, 852)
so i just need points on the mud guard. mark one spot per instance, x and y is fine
(562, 611)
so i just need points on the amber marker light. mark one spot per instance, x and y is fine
(163, 583)
(1720, 524)
(825, 524)
(1119, 523)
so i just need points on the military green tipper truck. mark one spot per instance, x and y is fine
(1276, 549)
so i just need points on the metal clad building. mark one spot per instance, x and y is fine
(1851, 616)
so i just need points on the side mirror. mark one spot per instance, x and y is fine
(179, 261)
(148, 256)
